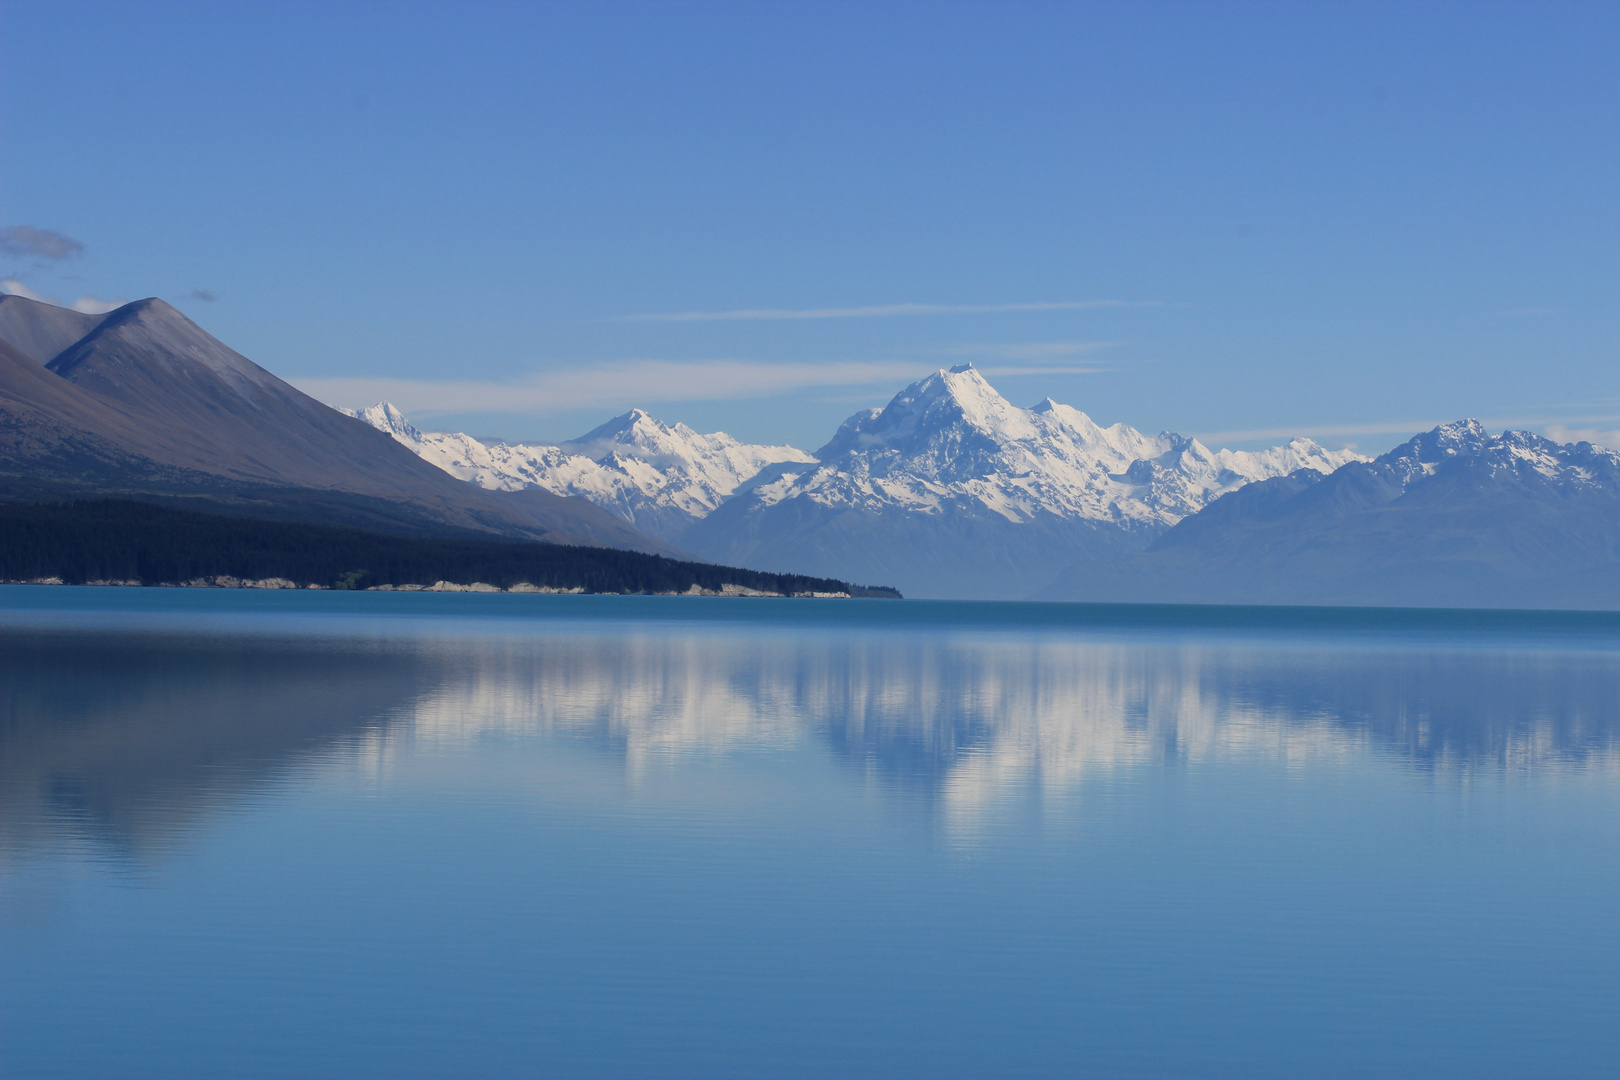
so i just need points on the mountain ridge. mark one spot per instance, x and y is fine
(41, 331)
(948, 490)
(1454, 517)
(952, 491)
(658, 477)
(147, 402)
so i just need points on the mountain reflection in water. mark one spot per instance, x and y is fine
(129, 738)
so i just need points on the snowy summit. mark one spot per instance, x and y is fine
(658, 477)
(950, 441)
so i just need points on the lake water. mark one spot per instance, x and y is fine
(364, 835)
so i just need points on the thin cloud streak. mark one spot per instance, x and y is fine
(1399, 427)
(1027, 351)
(616, 387)
(1405, 427)
(879, 311)
(1605, 437)
(1045, 369)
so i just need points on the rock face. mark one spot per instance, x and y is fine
(144, 401)
(1454, 518)
(660, 478)
(952, 491)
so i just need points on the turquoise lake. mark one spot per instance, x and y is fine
(256, 834)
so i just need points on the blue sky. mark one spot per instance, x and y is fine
(1240, 221)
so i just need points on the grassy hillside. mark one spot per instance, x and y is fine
(119, 540)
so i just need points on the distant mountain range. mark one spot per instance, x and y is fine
(947, 491)
(958, 493)
(143, 401)
(950, 490)
(1454, 518)
(660, 479)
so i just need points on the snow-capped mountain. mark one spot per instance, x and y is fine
(1456, 517)
(951, 442)
(658, 477)
(950, 490)
(1571, 466)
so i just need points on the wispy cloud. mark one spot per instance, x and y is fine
(207, 296)
(1609, 437)
(878, 311)
(1030, 351)
(26, 240)
(1393, 427)
(13, 287)
(1555, 429)
(89, 305)
(612, 386)
(996, 371)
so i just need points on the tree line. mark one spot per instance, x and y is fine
(124, 540)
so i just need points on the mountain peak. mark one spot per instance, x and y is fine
(634, 428)
(962, 383)
(384, 417)
(926, 411)
(1459, 438)
(154, 338)
(154, 304)
(151, 311)
(1461, 430)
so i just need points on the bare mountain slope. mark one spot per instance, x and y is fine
(183, 412)
(41, 331)
(51, 429)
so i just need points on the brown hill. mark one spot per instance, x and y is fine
(147, 402)
(41, 330)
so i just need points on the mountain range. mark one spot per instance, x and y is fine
(1456, 517)
(659, 478)
(956, 492)
(948, 491)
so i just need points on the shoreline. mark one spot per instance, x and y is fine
(226, 581)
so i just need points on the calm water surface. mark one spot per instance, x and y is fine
(393, 835)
